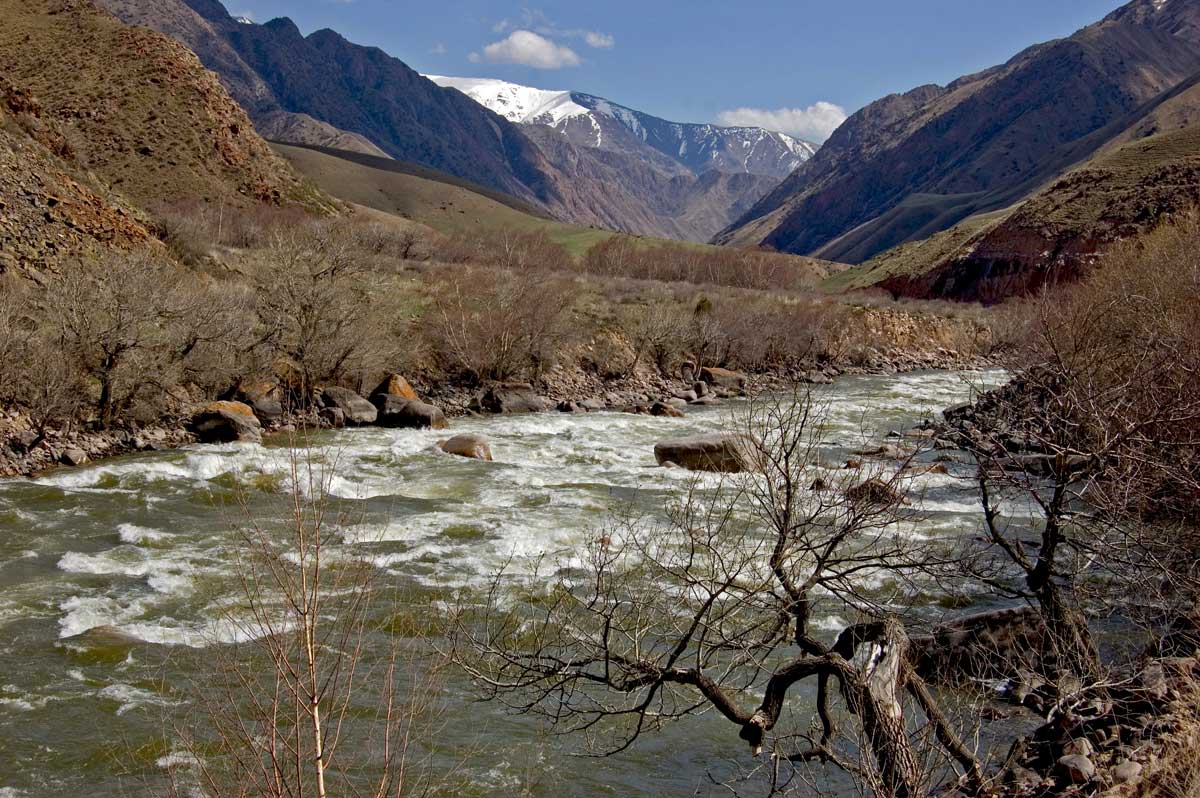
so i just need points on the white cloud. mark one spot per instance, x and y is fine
(601, 41)
(528, 49)
(815, 123)
(537, 21)
(438, 49)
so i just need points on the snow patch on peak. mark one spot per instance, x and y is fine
(520, 104)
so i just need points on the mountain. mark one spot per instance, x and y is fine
(1145, 176)
(911, 165)
(273, 70)
(590, 121)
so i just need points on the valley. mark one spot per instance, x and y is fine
(368, 430)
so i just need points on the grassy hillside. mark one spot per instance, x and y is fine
(446, 203)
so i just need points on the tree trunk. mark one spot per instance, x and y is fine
(878, 695)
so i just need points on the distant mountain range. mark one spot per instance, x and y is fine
(324, 90)
(912, 165)
(590, 121)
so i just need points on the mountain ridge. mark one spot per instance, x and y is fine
(979, 144)
(591, 121)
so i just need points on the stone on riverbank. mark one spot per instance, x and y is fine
(728, 454)
(474, 447)
(396, 385)
(226, 422)
(508, 397)
(723, 378)
(400, 413)
(358, 411)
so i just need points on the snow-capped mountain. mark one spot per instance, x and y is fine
(591, 121)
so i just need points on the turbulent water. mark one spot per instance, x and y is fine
(112, 577)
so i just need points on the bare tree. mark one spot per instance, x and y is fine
(314, 696)
(318, 314)
(720, 609)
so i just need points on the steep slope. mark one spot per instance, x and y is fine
(137, 109)
(911, 165)
(1126, 190)
(590, 121)
(50, 210)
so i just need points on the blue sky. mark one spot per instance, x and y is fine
(786, 64)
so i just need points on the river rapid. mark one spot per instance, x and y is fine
(113, 576)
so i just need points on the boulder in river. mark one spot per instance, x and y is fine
(226, 422)
(74, 457)
(358, 411)
(720, 453)
(471, 446)
(874, 491)
(396, 385)
(508, 397)
(665, 410)
(723, 378)
(700, 389)
(397, 412)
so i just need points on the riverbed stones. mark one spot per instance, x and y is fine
(874, 492)
(718, 453)
(73, 457)
(665, 410)
(471, 446)
(226, 422)
(1075, 769)
(400, 413)
(508, 398)
(358, 411)
(723, 378)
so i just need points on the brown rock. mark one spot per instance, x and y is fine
(509, 397)
(723, 378)
(874, 491)
(1075, 769)
(405, 414)
(471, 446)
(226, 422)
(358, 411)
(396, 385)
(665, 410)
(728, 454)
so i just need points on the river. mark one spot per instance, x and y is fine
(112, 577)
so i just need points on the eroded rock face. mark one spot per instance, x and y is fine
(729, 454)
(474, 447)
(399, 413)
(226, 422)
(509, 397)
(357, 411)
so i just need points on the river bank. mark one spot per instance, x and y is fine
(26, 451)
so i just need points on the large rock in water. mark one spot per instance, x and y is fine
(728, 454)
(397, 412)
(358, 411)
(471, 446)
(723, 378)
(396, 385)
(509, 397)
(226, 422)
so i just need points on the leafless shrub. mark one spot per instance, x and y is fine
(485, 324)
(136, 326)
(622, 256)
(318, 313)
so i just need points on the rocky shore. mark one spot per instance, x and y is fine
(26, 451)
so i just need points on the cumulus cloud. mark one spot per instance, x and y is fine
(528, 49)
(438, 49)
(815, 123)
(537, 21)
